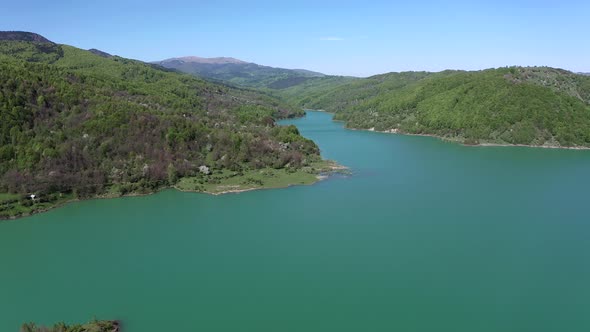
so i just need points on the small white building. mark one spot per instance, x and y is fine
(204, 169)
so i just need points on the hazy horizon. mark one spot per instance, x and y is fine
(336, 38)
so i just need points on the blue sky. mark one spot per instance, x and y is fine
(358, 38)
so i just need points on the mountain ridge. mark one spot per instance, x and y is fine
(23, 36)
(197, 59)
(239, 72)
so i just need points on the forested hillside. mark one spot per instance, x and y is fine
(516, 105)
(76, 124)
(337, 93)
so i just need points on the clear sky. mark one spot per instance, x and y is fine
(358, 38)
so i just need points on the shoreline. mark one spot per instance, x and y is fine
(237, 191)
(446, 139)
(331, 169)
(581, 148)
(102, 197)
(484, 144)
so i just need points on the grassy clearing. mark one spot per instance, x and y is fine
(266, 178)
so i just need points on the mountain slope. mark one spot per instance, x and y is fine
(239, 72)
(75, 124)
(518, 105)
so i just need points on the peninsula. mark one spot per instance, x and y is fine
(76, 124)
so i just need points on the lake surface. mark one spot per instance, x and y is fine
(425, 236)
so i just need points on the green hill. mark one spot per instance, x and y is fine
(517, 105)
(74, 124)
(337, 93)
(240, 73)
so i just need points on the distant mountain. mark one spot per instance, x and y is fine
(212, 61)
(23, 36)
(239, 72)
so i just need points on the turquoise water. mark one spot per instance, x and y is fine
(425, 236)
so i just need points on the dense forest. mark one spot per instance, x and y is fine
(512, 105)
(75, 123)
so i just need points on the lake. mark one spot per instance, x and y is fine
(425, 235)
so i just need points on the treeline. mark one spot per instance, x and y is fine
(75, 122)
(94, 326)
(516, 105)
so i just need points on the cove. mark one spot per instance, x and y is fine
(424, 236)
